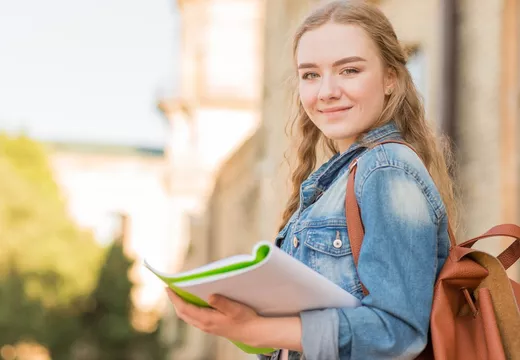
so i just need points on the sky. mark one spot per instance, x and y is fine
(87, 70)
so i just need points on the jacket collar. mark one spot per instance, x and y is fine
(326, 173)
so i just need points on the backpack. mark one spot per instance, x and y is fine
(475, 311)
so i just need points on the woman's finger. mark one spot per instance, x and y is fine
(202, 318)
(224, 305)
(181, 306)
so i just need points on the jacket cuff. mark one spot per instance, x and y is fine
(320, 333)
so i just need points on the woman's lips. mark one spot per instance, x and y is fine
(335, 110)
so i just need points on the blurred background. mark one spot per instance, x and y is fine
(156, 129)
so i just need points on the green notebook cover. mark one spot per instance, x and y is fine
(261, 253)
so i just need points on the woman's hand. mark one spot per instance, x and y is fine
(228, 318)
(238, 322)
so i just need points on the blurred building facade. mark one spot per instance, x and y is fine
(465, 61)
(216, 110)
(120, 193)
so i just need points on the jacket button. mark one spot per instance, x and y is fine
(295, 241)
(337, 243)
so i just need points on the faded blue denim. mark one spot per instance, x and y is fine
(405, 245)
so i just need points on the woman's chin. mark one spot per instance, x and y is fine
(338, 136)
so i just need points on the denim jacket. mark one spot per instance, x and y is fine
(405, 245)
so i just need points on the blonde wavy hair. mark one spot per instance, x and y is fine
(403, 105)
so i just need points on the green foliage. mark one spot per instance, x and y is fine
(47, 264)
(57, 286)
(112, 298)
(109, 322)
(57, 261)
(30, 161)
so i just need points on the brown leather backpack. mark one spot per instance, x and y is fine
(475, 312)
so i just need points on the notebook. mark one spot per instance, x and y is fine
(268, 280)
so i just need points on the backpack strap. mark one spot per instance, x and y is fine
(510, 255)
(355, 228)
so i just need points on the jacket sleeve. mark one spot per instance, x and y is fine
(397, 264)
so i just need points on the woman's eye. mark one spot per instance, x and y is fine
(349, 71)
(309, 75)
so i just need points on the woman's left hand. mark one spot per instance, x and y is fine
(226, 318)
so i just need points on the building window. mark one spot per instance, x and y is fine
(231, 51)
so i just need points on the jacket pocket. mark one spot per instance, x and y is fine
(327, 251)
(329, 240)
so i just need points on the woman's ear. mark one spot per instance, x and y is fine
(390, 80)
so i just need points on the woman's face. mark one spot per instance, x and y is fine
(342, 81)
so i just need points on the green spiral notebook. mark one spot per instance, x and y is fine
(268, 280)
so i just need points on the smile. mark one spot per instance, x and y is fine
(335, 110)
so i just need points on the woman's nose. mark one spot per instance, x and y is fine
(329, 89)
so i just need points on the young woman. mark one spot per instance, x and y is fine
(354, 91)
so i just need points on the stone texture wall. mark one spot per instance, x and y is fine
(478, 118)
(233, 218)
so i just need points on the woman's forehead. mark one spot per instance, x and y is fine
(332, 42)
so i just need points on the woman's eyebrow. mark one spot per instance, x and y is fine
(335, 64)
